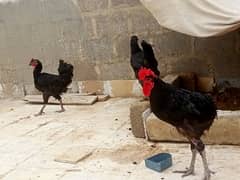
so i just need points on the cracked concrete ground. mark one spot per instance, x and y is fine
(30, 146)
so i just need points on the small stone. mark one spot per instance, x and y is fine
(153, 146)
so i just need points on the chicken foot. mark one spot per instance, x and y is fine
(190, 170)
(62, 108)
(207, 171)
(41, 111)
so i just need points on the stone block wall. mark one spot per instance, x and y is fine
(94, 36)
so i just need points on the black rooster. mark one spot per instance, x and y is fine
(51, 84)
(142, 57)
(190, 112)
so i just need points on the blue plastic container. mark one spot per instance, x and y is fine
(159, 162)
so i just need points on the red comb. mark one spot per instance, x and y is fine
(143, 72)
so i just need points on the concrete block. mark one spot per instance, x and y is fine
(205, 84)
(91, 86)
(121, 88)
(114, 88)
(136, 111)
(225, 130)
(158, 130)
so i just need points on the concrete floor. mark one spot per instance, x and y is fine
(29, 145)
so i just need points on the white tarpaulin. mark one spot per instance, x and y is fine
(200, 18)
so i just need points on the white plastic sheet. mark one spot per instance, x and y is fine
(201, 18)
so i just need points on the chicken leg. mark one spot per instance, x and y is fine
(45, 101)
(62, 108)
(207, 171)
(197, 145)
(190, 170)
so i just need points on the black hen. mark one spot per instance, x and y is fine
(190, 112)
(51, 84)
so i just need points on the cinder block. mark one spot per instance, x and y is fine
(136, 111)
(221, 132)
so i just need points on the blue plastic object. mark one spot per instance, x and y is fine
(159, 162)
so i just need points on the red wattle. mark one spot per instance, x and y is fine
(147, 88)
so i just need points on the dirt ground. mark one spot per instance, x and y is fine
(30, 146)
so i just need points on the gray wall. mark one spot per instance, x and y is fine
(94, 36)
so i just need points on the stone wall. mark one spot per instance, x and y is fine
(94, 36)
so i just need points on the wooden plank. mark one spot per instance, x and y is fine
(68, 99)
